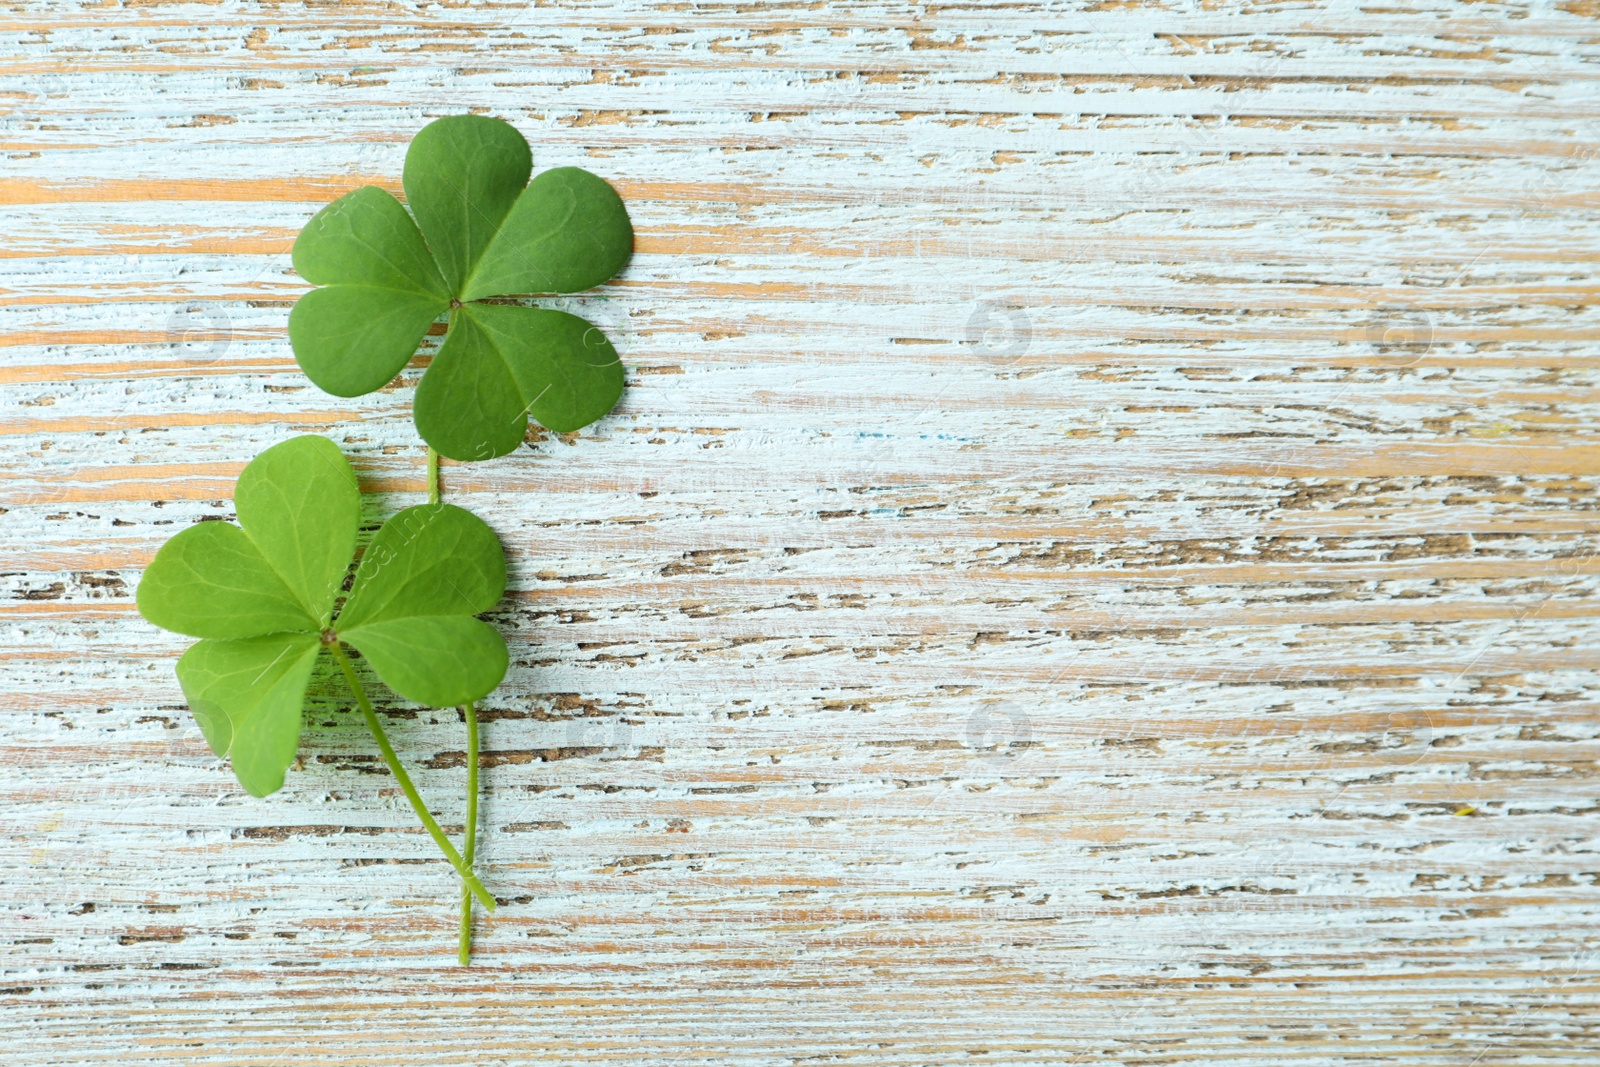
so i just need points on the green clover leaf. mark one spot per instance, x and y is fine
(262, 597)
(477, 228)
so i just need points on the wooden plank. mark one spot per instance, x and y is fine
(1096, 561)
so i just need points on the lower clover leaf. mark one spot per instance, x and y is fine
(426, 573)
(246, 695)
(262, 597)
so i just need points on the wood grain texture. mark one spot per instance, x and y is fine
(1096, 561)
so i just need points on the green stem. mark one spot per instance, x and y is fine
(400, 775)
(470, 839)
(469, 844)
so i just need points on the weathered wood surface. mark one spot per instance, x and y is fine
(1096, 560)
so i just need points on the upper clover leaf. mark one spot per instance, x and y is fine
(262, 596)
(477, 228)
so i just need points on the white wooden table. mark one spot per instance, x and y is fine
(1095, 562)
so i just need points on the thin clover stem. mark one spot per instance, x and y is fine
(469, 879)
(470, 843)
(470, 837)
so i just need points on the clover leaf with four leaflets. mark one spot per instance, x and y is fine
(262, 596)
(477, 228)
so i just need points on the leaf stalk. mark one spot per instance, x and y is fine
(470, 842)
(468, 878)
